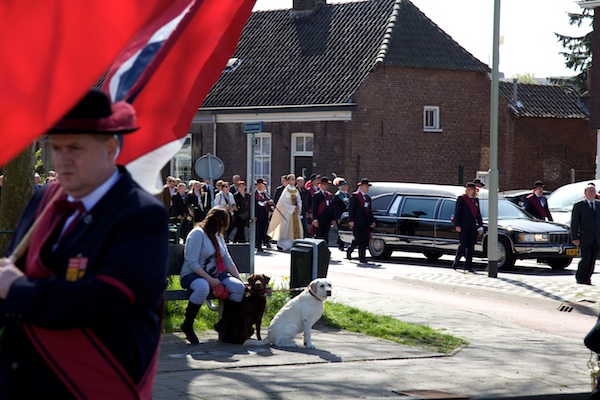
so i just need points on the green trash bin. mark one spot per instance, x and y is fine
(310, 260)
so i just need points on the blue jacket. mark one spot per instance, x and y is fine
(124, 238)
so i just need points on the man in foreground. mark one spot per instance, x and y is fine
(83, 305)
(585, 233)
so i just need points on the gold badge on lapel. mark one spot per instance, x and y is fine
(76, 268)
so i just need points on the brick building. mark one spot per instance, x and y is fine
(369, 89)
(546, 131)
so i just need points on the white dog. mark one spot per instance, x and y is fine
(297, 315)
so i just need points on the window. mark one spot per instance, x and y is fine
(303, 144)
(262, 156)
(447, 211)
(181, 165)
(381, 203)
(431, 119)
(395, 205)
(302, 153)
(419, 207)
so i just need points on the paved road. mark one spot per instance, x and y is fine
(520, 344)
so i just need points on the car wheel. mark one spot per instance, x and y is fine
(432, 255)
(506, 258)
(379, 250)
(560, 263)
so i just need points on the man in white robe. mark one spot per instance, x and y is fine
(285, 225)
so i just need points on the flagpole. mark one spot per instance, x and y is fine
(252, 225)
(492, 238)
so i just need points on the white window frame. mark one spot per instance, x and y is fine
(249, 167)
(182, 156)
(302, 153)
(435, 127)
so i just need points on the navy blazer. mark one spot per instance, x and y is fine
(585, 223)
(361, 216)
(532, 209)
(327, 215)
(463, 216)
(124, 238)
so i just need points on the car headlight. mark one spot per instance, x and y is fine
(533, 237)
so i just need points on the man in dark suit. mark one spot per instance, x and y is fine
(322, 210)
(469, 224)
(585, 233)
(262, 208)
(82, 305)
(168, 191)
(536, 203)
(360, 219)
(180, 211)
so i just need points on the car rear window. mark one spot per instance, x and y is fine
(419, 207)
(381, 202)
(447, 210)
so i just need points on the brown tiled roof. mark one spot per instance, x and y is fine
(286, 58)
(544, 101)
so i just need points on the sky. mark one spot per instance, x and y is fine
(527, 26)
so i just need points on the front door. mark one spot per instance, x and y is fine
(303, 166)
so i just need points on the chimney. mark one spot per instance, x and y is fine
(308, 5)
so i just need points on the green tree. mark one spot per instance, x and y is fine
(525, 78)
(17, 189)
(578, 51)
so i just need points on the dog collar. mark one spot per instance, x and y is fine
(313, 295)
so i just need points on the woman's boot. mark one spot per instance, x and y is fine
(188, 324)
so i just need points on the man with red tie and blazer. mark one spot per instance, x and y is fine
(536, 203)
(322, 211)
(82, 306)
(360, 218)
(585, 233)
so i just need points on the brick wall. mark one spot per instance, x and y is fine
(547, 149)
(387, 141)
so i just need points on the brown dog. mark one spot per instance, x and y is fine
(236, 324)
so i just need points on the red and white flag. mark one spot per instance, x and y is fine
(166, 72)
(52, 53)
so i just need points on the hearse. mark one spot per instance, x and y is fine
(415, 217)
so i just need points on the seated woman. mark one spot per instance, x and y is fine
(207, 265)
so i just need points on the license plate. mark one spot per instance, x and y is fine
(572, 252)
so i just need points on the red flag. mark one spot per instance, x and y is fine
(167, 103)
(53, 51)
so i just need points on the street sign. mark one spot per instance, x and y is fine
(209, 166)
(254, 127)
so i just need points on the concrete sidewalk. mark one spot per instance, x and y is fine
(502, 360)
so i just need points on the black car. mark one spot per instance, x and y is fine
(418, 218)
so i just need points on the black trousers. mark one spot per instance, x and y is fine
(261, 232)
(468, 238)
(361, 240)
(585, 269)
(323, 232)
(240, 235)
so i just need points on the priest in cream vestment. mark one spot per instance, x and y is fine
(285, 225)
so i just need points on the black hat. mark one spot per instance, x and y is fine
(538, 184)
(95, 114)
(470, 185)
(260, 180)
(313, 177)
(325, 179)
(477, 181)
(363, 181)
